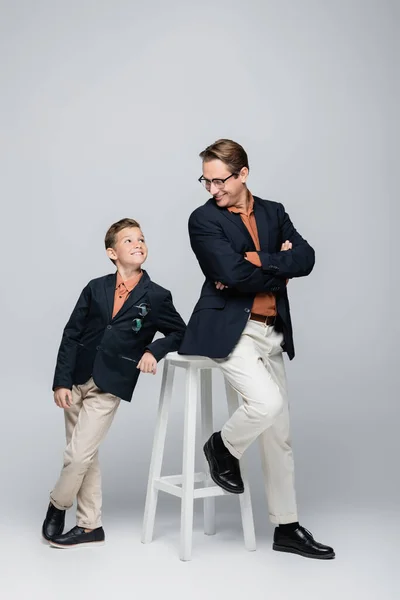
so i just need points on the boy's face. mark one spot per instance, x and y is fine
(130, 249)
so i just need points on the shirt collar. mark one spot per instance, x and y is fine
(128, 283)
(234, 209)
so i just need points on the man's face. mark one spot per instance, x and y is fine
(229, 193)
(130, 249)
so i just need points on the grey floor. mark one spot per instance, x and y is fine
(366, 566)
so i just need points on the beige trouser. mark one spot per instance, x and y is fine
(86, 424)
(256, 370)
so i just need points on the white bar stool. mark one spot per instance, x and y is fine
(183, 486)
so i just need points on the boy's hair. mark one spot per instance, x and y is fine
(232, 154)
(111, 235)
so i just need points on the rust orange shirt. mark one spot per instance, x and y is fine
(123, 290)
(264, 302)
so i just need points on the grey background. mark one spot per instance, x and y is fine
(104, 109)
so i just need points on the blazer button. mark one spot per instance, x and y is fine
(247, 310)
(109, 326)
(97, 347)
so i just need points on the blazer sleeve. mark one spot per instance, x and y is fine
(171, 325)
(70, 342)
(219, 261)
(297, 262)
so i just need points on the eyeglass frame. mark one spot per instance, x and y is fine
(202, 179)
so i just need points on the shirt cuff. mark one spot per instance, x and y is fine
(253, 258)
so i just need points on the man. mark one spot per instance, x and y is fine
(248, 249)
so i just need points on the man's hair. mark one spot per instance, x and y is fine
(232, 154)
(111, 235)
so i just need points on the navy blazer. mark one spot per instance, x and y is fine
(220, 240)
(96, 345)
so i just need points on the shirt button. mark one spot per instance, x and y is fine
(109, 326)
(247, 310)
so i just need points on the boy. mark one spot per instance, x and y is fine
(106, 343)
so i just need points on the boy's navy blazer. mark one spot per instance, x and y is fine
(220, 240)
(96, 345)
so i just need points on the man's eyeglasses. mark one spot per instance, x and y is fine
(143, 310)
(219, 183)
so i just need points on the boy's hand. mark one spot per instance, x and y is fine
(220, 286)
(147, 364)
(63, 397)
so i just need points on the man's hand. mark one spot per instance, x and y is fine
(147, 364)
(220, 286)
(63, 397)
(286, 246)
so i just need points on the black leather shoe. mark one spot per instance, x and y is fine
(53, 523)
(224, 468)
(300, 541)
(79, 537)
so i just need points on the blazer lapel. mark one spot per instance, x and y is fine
(109, 287)
(136, 295)
(236, 219)
(262, 224)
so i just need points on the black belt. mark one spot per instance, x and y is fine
(263, 319)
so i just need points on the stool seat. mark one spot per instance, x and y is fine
(185, 360)
(198, 384)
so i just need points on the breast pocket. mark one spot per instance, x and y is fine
(210, 302)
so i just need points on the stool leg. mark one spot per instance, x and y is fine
(245, 498)
(157, 452)
(206, 431)
(189, 442)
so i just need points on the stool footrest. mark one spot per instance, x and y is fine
(172, 484)
(169, 488)
(209, 492)
(178, 479)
